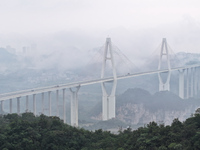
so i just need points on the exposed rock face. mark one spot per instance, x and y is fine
(98, 117)
(137, 106)
(138, 114)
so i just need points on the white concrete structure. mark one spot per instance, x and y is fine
(57, 103)
(2, 107)
(27, 102)
(11, 106)
(164, 86)
(34, 104)
(108, 100)
(181, 83)
(42, 102)
(74, 106)
(192, 83)
(49, 98)
(64, 106)
(187, 84)
(195, 82)
(18, 105)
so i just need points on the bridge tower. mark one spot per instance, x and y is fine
(108, 100)
(74, 106)
(164, 86)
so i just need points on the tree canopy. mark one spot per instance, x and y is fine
(29, 132)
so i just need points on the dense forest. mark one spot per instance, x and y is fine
(27, 132)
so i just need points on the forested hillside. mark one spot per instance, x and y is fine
(27, 132)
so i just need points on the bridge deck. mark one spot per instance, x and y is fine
(12, 95)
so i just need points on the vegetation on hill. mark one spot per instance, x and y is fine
(27, 132)
(136, 107)
(164, 100)
(106, 125)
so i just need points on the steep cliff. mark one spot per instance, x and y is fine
(138, 106)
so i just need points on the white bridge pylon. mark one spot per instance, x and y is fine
(108, 100)
(164, 86)
(74, 106)
(192, 87)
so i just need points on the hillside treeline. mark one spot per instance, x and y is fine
(27, 132)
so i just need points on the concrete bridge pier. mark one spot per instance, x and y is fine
(187, 84)
(26, 103)
(181, 83)
(74, 106)
(198, 81)
(64, 107)
(1, 107)
(57, 103)
(108, 102)
(18, 105)
(195, 82)
(10, 106)
(192, 83)
(49, 98)
(34, 104)
(42, 103)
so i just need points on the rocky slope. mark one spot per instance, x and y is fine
(137, 106)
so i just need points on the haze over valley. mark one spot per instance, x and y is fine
(50, 43)
(137, 102)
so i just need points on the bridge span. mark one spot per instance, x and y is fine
(33, 91)
(108, 110)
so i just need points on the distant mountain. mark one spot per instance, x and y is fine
(6, 57)
(138, 106)
(176, 60)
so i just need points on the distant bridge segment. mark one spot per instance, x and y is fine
(108, 107)
(84, 83)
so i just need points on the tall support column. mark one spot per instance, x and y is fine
(187, 87)
(64, 107)
(18, 105)
(57, 103)
(74, 106)
(195, 81)
(192, 83)
(164, 86)
(49, 96)
(26, 103)
(198, 81)
(108, 100)
(42, 103)
(10, 106)
(34, 104)
(181, 83)
(1, 107)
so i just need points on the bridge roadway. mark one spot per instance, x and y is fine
(12, 95)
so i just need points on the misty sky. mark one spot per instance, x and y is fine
(36, 16)
(135, 26)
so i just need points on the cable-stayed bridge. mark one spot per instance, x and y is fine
(108, 100)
